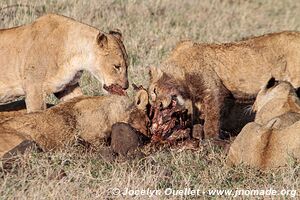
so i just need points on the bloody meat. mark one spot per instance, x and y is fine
(169, 124)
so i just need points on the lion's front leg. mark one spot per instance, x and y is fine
(212, 105)
(35, 98)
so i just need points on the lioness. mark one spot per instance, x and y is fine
(277, 98)
(206, 74)
(49, 55)
(86, 118)
(274, 137)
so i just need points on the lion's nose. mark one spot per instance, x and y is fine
(126, 85)
(161, 105)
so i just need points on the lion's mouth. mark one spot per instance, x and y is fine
(115, 89)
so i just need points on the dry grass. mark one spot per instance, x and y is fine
(89, 176)
(151, 29)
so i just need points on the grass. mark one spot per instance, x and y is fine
(89, 176)
(151, 29)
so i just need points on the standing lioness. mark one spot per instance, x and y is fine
(48, 56)
(206, 74)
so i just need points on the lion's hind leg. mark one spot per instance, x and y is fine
(9, 93)
(9, 140)
(70, 92)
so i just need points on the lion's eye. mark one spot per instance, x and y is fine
(117, 67)
(154, 91)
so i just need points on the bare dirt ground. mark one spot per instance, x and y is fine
(150, 29)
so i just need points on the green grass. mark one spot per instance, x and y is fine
(151, 29)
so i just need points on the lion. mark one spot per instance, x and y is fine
(277, 98)
(49, 56)
(201, 76)
(274, 138)
(83, 118)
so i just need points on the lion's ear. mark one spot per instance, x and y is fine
(116, 33)
(137, 88)
(155, 73)
(102, 40)
(295, 101)
(141, 99)
(297, 90)
(272, 82)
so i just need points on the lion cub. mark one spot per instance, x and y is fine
(207, 74)
(274, 137)
(49, 56)
(85, 118)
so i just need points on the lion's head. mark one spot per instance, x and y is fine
(111, 60)
(274, 99)
(163, 88)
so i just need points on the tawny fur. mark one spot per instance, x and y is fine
(274, 138)
(49, 55)
(277, 100)
(85, 118)
(205, 74)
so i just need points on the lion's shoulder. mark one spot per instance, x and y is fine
(53, 17)
(183, 45)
